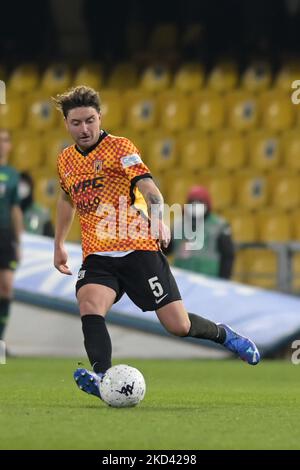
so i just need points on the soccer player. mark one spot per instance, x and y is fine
(96, 173)
(10, 227)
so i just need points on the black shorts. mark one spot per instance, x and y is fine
(8, 258)
(145, 276)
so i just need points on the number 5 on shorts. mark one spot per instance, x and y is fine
(156, 286)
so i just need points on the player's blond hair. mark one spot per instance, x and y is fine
(80, 96)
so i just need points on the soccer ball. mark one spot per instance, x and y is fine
(122, 386)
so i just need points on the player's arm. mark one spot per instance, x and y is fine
(17, 218)
(64, 218)
(155, 205)
(17, 222)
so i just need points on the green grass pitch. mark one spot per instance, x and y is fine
(189, 404)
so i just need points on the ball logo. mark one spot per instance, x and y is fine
(128, 390)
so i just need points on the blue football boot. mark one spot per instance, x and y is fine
(243, 347)
(88, 381)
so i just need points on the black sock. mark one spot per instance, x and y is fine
(206, 329)
(4, 312)
(97, 342)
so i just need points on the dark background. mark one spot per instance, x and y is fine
(36, 30)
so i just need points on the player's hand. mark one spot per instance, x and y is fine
(18, 253)
(60, 260)
(164, 235)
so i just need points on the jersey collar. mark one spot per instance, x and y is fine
(85, 153)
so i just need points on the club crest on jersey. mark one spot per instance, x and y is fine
(98, 166)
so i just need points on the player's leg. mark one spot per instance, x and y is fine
(6, 293)
(94, 301)
(179, 322)
(149, 282)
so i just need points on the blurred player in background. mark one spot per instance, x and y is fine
(10, 227)
(216, 257)
(94, 174)
(36, 218)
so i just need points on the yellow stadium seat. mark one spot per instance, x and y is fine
(207, 110)
(278, 111)
(141, 110)
(291, 149)
(220, 186)
(155, 78)
(111, 109)
(189, 78)
(56, 79)
(243, 225)
(262, 266)
(12, 114)
(53, 144)
(295, 224)
(296, 272)
(223, 77)
(273, 226)
(24, 79)
(89, 75)
(123, 76)
(174, 111)
(194, 150)
(46, 189)
(284, 190)
(163, 37)
(297, 112)
(264, 150)
(136, 138)
(257, 77)
(286, 75)
(176, 186)
(251, 190)
(27, 151)
(161, 151)
(229, 149)
(240, 273)
(74, 234)
(242, 110)
(42, 114)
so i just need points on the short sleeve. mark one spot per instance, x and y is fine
(15, 198)
(60, 171)
(131, 162)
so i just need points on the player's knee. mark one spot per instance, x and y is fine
(88, 306)
(6, 291)
(181, 329)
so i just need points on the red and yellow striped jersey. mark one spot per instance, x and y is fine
(101, 184)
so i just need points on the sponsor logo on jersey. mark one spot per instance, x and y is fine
(83, 185)
(131, 160)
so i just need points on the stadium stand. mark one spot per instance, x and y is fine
(233, 130)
